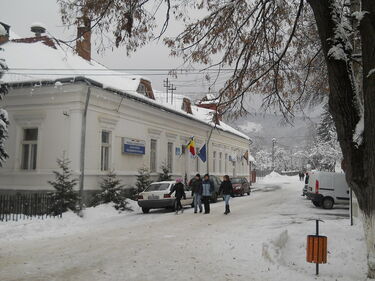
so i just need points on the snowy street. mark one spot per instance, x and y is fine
(264, 238)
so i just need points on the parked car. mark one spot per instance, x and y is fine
(325, 189)
(157, 196)
(217, 182)
(240, 186)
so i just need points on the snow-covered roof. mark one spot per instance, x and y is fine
(3, 32)
(209, 99)
(36, 62)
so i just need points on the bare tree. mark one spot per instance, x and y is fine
(291, 52)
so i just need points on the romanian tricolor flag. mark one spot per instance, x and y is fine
(191, 146)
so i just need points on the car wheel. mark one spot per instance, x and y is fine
(327, 203)
(248, 193)
(316, 203)
(145, 210)
(242, 192)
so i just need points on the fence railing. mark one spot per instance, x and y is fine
(26, 206)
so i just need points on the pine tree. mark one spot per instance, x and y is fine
(164, 175)
(65, 197)
(143, 179)
(325, 151)
(112, 191)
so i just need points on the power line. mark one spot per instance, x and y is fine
(95, 74)
(130, 69)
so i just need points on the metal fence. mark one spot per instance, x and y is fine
(26, 206)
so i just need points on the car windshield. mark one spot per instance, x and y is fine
(157, 187)
(236, 180)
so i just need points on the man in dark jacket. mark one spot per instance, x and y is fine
(227, 189)
(179, 190)
(207, 189)
(196, 190)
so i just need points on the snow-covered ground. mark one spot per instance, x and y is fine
(264, 238)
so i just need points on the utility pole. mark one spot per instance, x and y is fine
(166, 86)
(172, 88)
(273, 153)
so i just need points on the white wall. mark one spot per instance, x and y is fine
(57, 112)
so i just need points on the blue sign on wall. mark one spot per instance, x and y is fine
(133, 146)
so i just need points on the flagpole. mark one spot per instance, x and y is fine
(208, 149)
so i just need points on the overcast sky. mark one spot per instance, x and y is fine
(20, 14)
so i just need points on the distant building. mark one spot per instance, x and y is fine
(129, 125)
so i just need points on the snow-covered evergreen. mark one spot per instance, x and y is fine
(65, 197)
(112, 192)
(143, 179)
(325, 151)
(164, 175)
(4, 120)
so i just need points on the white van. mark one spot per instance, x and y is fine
(327, 188)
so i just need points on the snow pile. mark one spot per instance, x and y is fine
(68, 224)
(274, 177)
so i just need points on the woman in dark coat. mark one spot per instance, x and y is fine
(227, 189)
(180, 193)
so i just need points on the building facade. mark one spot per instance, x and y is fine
(127, 128)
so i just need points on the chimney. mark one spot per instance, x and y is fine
(211, 102)
(83, 45)
(186, 106)
(4, 33)
(38, 29)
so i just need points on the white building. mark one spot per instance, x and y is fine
(128, 125)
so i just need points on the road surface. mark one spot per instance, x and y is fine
(165, 246)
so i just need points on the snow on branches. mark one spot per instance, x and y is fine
(4, 119)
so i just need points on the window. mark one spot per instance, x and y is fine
(105, 150)
(157, 187)
(220, 161)
(29, 149)
(225, 163)
(170, 156)
(214, 162)
(153, 155)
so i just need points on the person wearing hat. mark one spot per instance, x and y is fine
(179, 190)
(196, 190)
(207, 189)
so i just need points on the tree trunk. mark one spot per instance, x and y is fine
(359, 159)
(369, 230)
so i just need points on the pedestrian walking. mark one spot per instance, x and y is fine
(227, 189)
(307, 178)
(196, 191)
(179, 190)
(207, 189)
